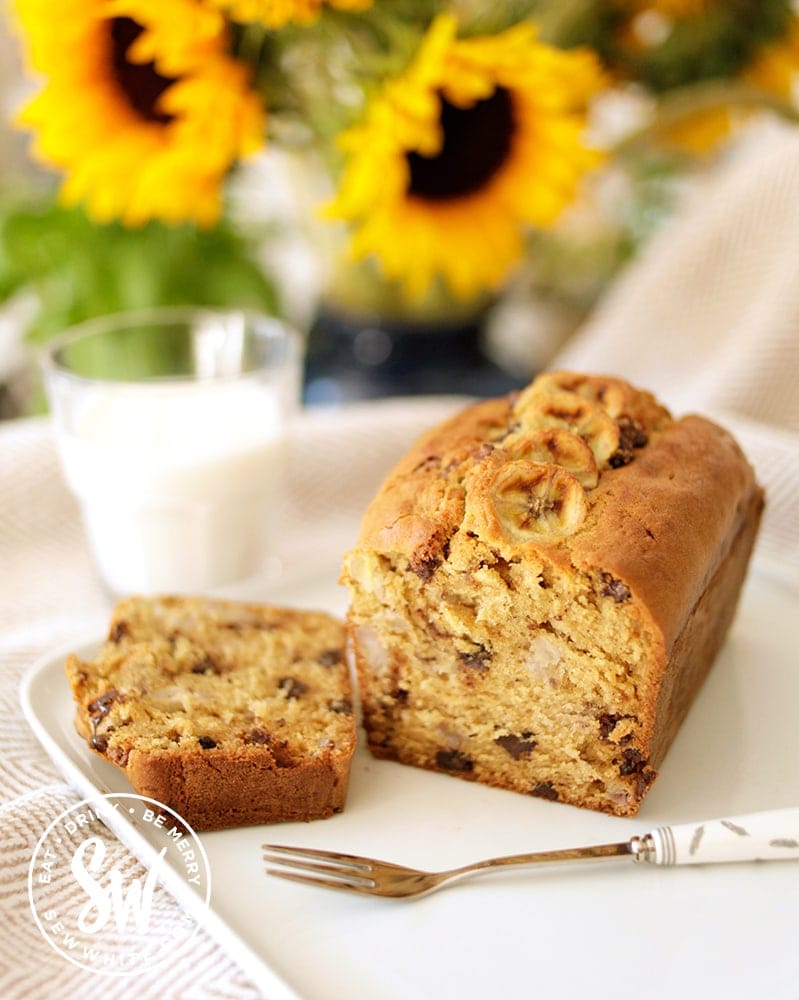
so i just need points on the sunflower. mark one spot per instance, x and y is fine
(142, 109)
(478, 138)
(277, 13)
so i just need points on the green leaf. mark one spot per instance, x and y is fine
(79, 270)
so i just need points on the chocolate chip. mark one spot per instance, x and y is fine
(545, 790)
(206, 742)
(517, 746)
(341, 707)
(454, 760)
(291, 687)
(478, 659)
(119, 631)
(400, 695)
(99, 743)
(203, 666)
(101, 705)
(631, 435)
(425, 568)
(257, 735)
(634, 762)
(485, 449)
(643, 781)
(614, 588)
(607, 723)
(330, 657)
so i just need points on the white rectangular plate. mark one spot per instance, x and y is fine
(595, 931)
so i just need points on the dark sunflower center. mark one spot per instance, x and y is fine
(140, 82)
(477, 141)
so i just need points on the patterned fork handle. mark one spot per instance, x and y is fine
(761, 836)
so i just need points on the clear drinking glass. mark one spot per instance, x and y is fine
(171, 426)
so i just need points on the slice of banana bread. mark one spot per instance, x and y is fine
(541, 585)
(229, 713)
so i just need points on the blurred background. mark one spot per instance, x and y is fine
(436, 194)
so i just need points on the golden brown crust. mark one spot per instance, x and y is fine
(541, 585)
(229, 713)
(661, 523)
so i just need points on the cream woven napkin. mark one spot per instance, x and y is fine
(49, 597)
(708, 318)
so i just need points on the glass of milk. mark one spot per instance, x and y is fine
(171, 425)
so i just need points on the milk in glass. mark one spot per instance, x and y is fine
(179, 483)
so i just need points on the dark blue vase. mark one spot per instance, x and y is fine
(352, 357)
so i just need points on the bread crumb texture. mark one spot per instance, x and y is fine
(541, 585)
(229, 713)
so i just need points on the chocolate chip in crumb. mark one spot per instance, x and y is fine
(101, 705)
(119, 631)
(518, 746)
(643, 781)
(203, 666)
(99, 743)
(545, 790)
(607, 723)
(401, 695)
(425, 568)
(633, 763)
(330, 657)
(291, 687)
(477, 659)
(454, 760)
(611, 587)
(206, 742)
(258, 735)
(341, 707)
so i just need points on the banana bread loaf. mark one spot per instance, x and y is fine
(229, 713)
(541, 585)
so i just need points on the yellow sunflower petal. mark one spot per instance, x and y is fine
(125, 153)
(427, 208)
(277, 13)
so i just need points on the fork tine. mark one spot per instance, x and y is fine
(329, 870)
(325, 883)
(331, 857)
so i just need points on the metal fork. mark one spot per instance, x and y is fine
(764, 836)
